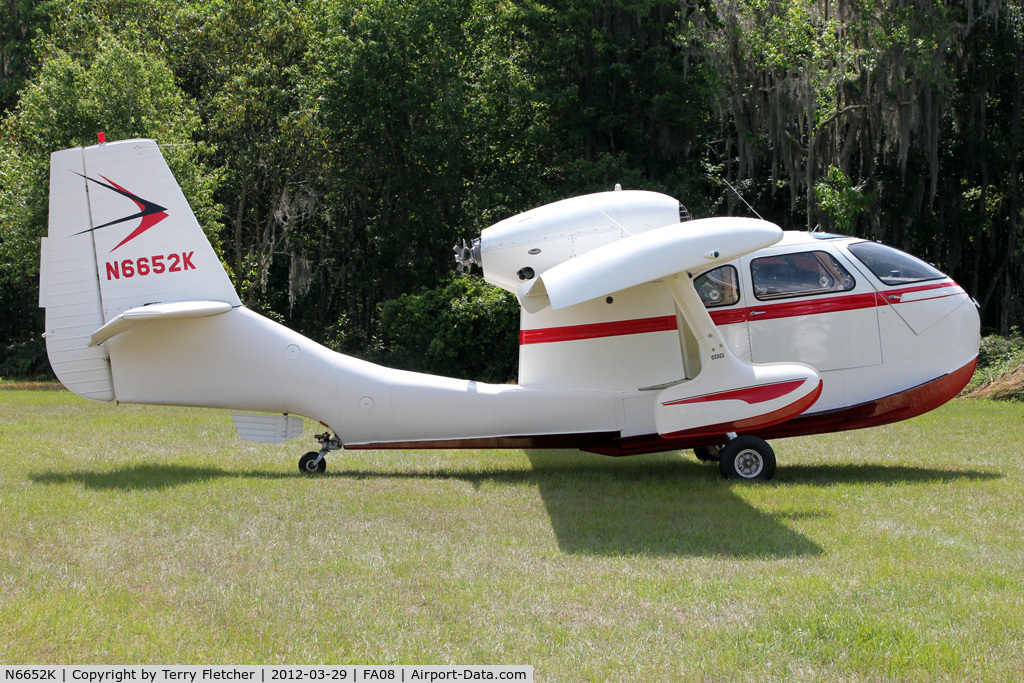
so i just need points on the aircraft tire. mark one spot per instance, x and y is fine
(747, 458)
(306, 464)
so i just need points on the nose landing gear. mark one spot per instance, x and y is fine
(315, 462)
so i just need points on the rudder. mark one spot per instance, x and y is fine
(69, 287)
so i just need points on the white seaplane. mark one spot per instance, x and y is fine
(640, 331)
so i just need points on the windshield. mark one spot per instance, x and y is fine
(892, 266)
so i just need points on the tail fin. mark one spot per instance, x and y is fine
(121, 236)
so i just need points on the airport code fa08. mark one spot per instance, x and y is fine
(150, 265)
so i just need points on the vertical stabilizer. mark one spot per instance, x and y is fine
(121, 236)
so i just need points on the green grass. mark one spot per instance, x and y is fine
(153, 535)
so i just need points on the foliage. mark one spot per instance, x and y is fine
(121, 92)
(462, 328)
(997, 352)
(242, 61)
(413, 101)
(840, 200)
(440, 118)
(1000, 372)
(355, 141)
(915, 103)
(24, 359)
(624, 98)
(20, 23)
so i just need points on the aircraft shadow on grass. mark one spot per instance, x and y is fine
(681, 507)
(147, 477)
(603, 507)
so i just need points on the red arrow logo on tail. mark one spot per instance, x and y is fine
(151, 213)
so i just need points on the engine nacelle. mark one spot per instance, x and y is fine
(524, 246)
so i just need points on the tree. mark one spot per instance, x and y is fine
(243, 61)
(119, 91)
(625, 96)
(20, 22)
(912, 102)
(390, 94)
(840, 200)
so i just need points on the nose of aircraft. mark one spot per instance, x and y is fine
(930, 335)
(969, 321)
(953, 332)
(954, 316)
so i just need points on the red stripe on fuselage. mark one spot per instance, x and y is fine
(817, 306)
(728, 316)
(755, 422)
(895, 296)
(597, 330)
(731, 316)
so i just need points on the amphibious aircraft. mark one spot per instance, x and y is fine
(641, 330)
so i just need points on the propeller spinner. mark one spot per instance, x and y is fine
(467, 255)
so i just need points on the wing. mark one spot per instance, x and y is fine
(728, 395)
(691, 247)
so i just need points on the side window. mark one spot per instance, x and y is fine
(718, 287)
(803, 273)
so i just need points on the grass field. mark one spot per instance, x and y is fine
(153, 535)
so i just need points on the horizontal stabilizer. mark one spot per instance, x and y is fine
(178, 309)
(693, 246)
(267, 428)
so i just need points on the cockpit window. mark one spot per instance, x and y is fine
(804, 273)
(892, 266)
(718, 287)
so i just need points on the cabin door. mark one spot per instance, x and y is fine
(806, 306)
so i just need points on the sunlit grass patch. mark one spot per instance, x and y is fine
(152, 535)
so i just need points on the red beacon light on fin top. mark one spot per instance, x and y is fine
(101, 137)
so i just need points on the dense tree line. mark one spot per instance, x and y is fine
(334, 150)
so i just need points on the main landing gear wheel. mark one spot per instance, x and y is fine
(312, 463)
(747, 457)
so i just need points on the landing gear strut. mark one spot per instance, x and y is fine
(315, 462)
(707, 453)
